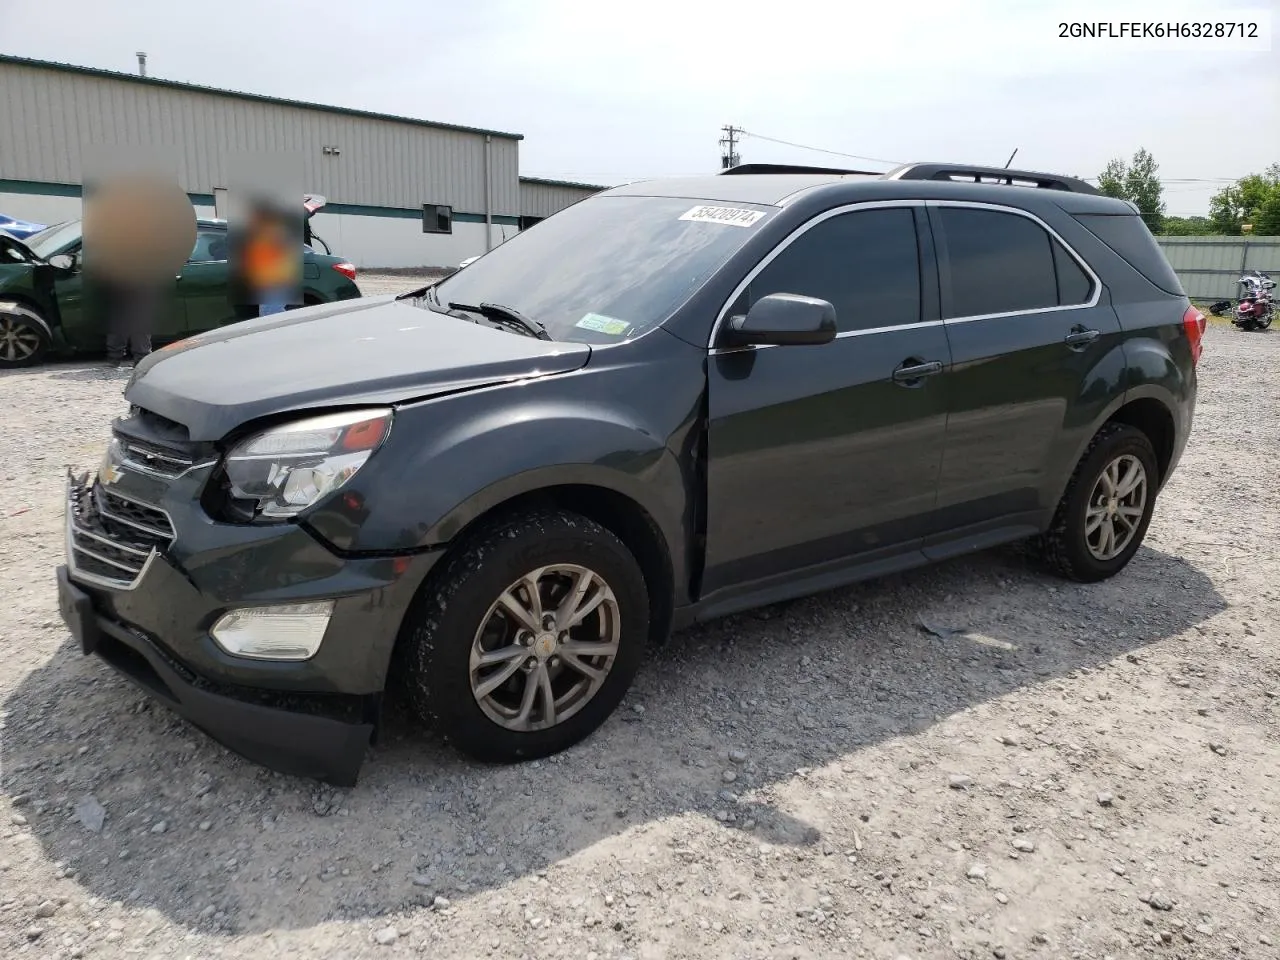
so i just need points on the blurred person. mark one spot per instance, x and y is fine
(270, 261)
(138, 232)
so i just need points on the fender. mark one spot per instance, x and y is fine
(1150, 372)
(461, 456)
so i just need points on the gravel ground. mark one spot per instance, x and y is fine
(1045, 770)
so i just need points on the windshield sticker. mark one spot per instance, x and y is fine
(602, 324)
(730, 216)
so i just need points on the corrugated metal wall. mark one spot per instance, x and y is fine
(1209, 267)
(49, 117)
(542, 199)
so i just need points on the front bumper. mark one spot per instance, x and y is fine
(308, 718)
(296, 743)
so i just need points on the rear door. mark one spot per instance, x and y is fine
(203, 287)
(819, 454)
(1036, 348)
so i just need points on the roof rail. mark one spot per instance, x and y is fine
(744, 169)
(966, 173)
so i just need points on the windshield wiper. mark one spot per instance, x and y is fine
(506, 316)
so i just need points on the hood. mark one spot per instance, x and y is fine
(368, 351)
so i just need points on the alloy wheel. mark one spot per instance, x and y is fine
(1116, 507)
(545, 647)
(18, 341)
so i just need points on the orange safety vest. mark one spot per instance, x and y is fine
(268, 264)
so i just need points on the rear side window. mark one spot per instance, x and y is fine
(1129, 237)
(866, 264)
(210, 245)
(999, 263)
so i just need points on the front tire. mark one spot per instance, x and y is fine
(528, 638)
(1104, 513)
(23, 339)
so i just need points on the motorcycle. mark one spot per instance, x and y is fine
(1255, 310)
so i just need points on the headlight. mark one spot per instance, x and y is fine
(288, 468)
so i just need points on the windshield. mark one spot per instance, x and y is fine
(606, 269)
(52, 239)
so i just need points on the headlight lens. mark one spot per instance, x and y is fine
(288, 468)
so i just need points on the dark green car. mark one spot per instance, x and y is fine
(42, 309)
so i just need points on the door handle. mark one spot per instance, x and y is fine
(912, 370)
(1080, 337)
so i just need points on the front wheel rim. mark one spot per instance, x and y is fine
(17, 340)
(1116, 507)
(545, 647)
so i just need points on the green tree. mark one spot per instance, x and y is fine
(1267, 221)
(1111, 180)
(1187, 226)
(1138, 183)
(1248, 200)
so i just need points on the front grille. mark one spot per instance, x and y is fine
(109, 537)
(153, 458)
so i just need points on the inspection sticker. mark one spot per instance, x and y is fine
(602, 324)
(731, 216)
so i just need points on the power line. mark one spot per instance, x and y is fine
(895, 163)
(834, 153)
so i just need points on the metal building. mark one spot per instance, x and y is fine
(540, 198)
(401, 192)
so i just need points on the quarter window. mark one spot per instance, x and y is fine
(865, 263)
(1005, 263)
(1074, 285)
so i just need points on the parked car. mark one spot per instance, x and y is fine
(42, 309)
(672, 401)
(18, 228)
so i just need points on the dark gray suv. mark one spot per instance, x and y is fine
(669, 402)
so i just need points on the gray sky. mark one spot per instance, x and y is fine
(605, 91)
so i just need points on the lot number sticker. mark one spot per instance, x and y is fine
(730, 216)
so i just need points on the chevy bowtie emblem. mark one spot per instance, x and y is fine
(110, 474)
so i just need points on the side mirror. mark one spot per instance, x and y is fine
(63, 261)
(783, 319)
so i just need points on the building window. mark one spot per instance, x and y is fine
(437, 218)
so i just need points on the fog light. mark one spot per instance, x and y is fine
(290, 631)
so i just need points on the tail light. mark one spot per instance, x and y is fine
(348, 270)
(1193, 322)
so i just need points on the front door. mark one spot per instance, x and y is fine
(203, 284)
(829, 454)
(1031, 332)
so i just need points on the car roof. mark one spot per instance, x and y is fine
(783, 189)
(769, 189)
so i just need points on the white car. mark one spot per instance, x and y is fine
(468, 261)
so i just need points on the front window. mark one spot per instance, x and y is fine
(607, 269)
(55, 239)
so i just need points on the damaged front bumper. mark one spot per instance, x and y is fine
(141, 594)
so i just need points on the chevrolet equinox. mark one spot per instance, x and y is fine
(669, 402)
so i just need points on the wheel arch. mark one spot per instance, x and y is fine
(1149, 409)
(622, 515)
(19, 305)
(1155, 419)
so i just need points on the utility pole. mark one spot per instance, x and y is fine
(729, 147)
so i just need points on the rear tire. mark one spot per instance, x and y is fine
(23, 339)
(1112, 491)
(473, 664)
